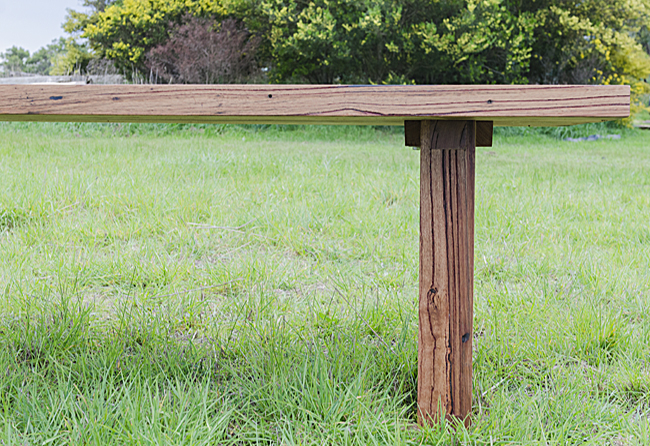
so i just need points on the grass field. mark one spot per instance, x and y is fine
(247, 285)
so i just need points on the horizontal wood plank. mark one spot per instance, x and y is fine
(533, 105)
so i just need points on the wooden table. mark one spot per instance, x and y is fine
(446, 122)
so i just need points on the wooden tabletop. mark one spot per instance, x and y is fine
(505, 105)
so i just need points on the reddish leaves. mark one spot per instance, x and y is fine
(202, 51)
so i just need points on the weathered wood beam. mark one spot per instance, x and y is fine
(446, 270)
(315, 104)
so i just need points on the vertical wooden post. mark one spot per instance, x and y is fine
(447, 151)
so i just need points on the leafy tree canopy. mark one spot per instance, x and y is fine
(399, 41)
(18, 60)
(62, 56)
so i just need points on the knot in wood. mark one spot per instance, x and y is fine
(431, 296)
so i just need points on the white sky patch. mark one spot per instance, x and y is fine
(32, 24)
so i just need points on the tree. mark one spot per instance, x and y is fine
(400, 41)
(590, 41)
(126, 30)
(18, 60)
(14, 60)
(73, 57)
(376, 41)
(98, 5)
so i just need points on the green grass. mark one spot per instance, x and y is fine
(258, 285)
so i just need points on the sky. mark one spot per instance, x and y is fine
(32, 24)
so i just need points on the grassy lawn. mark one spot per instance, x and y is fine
(238, 285)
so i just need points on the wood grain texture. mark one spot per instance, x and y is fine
(315, 104)
(446, 270)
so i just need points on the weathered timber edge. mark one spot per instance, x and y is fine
(504, 105)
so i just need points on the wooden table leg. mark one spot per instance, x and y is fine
(447, 152)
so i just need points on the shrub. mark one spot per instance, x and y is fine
(201, 51)
(126, 30)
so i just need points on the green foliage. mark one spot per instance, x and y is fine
(473, 41)
(73, 58)
(125, 31)
(590, 43)
(18, 60)
(15, 59)
(98, 5)
(483, 42)
(41, 61)
(62, 56)
(401, 41)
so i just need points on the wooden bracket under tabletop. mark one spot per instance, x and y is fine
(447, 157)
(483, 133)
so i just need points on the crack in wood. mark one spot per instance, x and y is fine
(445, 251)
(304, 104)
